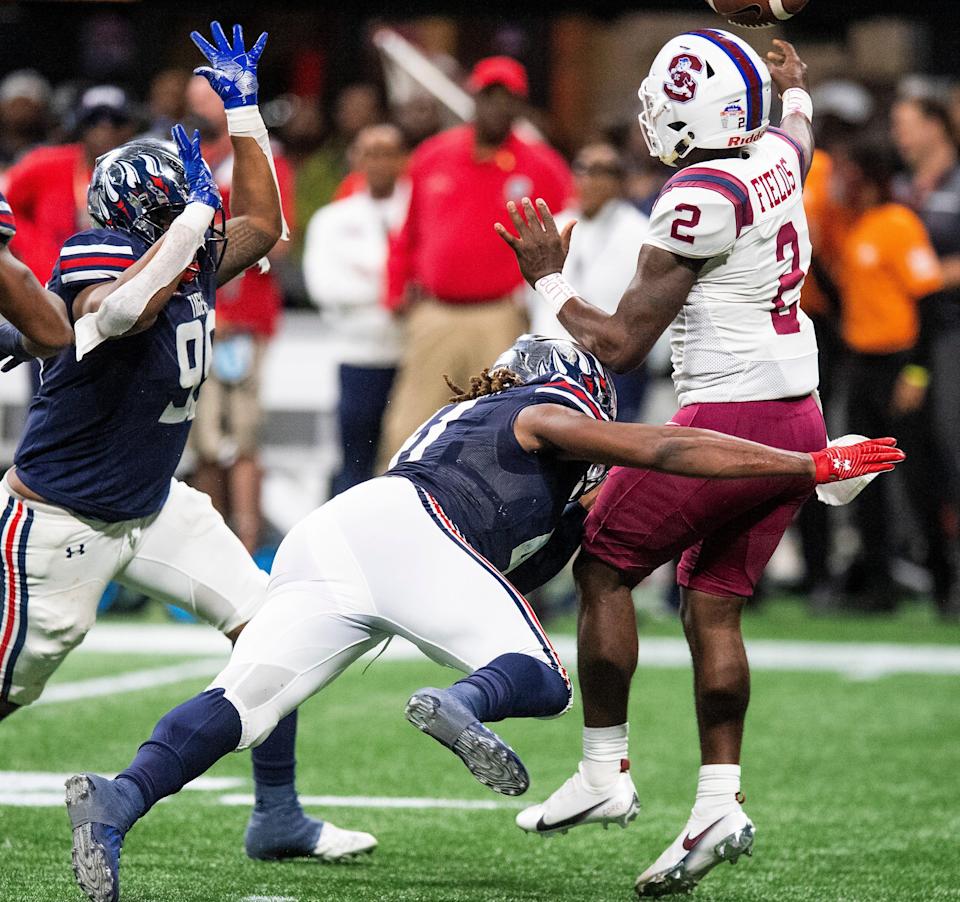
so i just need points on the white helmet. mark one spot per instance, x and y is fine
(707, 89)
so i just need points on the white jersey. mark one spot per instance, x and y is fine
(741, 335)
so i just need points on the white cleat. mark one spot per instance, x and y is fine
(575, 804)
(698, 849)
(335, 844)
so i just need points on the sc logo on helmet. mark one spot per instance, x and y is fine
(683, 86)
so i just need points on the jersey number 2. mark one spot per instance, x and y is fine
(690, 222)
(784, 317)
(194, 354)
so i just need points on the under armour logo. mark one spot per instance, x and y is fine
(74, 549)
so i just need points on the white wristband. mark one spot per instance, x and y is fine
(555, 290)
(796, 100)
(246, 122)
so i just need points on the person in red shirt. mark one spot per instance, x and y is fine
(48, 187)
(449, 275)
(225, 434)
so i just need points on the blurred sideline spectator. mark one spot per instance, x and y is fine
(320, 173)
(167, 101)
(344, 264)
(48, 187)
(417, 119)
(603, 254)
(886, 265)
(923, 132)
(225, 434)
(452, 276)
(841, 107)
(24, 113)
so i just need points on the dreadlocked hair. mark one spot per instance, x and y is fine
(487, 383)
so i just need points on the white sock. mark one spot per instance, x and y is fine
(604, 754)
(718, 791)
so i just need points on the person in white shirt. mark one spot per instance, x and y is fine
(344, 263)
(603, 254)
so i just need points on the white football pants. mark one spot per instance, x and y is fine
(377, 561)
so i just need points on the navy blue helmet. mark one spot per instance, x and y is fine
(534, 356)
(140, 188)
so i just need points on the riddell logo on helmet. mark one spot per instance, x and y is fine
(682, 86)
(738, 140)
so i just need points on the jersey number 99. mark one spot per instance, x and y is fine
(194, 354)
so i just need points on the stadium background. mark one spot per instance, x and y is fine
(850, 756)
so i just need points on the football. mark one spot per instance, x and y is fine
(756, 13)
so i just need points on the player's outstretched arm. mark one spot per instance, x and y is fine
(37, 320)
(131, 303)
(256, 222)
(789, 74)
(686, 451)
(654, 297)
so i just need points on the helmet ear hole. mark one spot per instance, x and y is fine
(677, 126)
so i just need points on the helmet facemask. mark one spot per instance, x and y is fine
(653, 106)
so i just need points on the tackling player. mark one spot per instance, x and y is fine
(91, 497)
(38, 325)
(723, 261)
(475, 493)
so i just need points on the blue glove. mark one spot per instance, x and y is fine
(8, 227)
(200, 183)
(232, 72)
(11, 345)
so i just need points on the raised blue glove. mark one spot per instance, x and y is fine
(232, 72)
(8, 227)
(11, 345)
(200, 182)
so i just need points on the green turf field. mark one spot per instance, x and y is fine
(852, 784)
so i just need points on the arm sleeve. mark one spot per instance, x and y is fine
(546, 563)
(318, 243)
(693, 222)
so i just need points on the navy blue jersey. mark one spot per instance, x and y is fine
(505, 501)
(104, 435)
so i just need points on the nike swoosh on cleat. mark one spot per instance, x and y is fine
(570, 821)
(689, 843)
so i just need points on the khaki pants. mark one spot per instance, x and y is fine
(456, 339)
(227, 422)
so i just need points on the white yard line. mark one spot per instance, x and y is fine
(131, 681)
(855, 659)
(246, 800)
(37, 789)
(40, 789)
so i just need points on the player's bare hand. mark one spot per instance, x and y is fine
(540, 248)
(786, 68)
